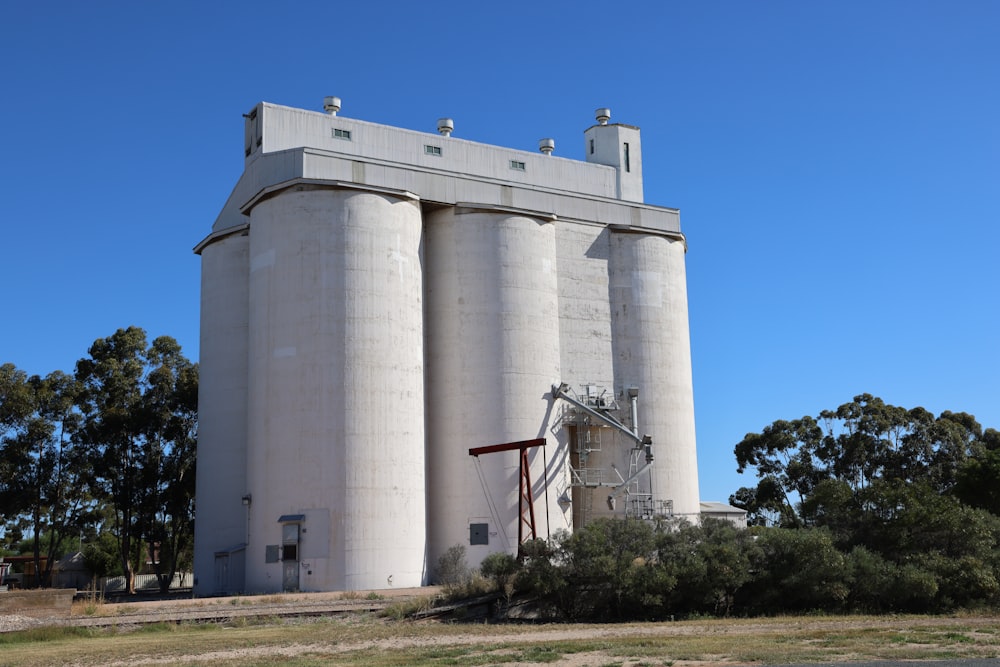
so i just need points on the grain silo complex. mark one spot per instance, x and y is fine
(378, 302)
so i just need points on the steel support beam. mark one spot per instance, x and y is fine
(526, 500)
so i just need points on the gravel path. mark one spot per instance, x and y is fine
(15, 622)
(127, 612)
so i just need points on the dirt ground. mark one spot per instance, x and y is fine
(207, 609)
(552, 633)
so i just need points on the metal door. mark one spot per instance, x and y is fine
(290, 557)
(222, 573)
(290, 576)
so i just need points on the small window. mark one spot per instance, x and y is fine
(432, 150)
(518, 165)
(626, 158)
(479, 533)
(591, 146)
(341, 134)
(289, 552)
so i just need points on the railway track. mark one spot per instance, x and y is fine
(222, 612)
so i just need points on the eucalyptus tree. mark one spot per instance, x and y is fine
(171, 432)
(812, 470)
(977, 482)
(138, 428)
(863, 440)
(15, 406)
(908, 493)
(40, 493)
(784, 456)
(766, 504)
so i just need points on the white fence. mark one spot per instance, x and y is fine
(143, 582)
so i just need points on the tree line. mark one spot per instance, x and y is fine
(869, 507)
(102, 458)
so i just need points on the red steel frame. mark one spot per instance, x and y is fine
(526, 501)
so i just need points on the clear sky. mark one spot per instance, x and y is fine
(836, 163)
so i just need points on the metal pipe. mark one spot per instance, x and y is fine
(621, 487)
(560, 391)
(633, 398)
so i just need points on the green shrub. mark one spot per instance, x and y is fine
(451, 567)
(501, 569)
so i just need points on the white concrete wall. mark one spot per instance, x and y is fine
(222, 405)
(639, 280)
(618, 146)
(286, 128)
(336, 387)
(584, 309)
(652, 351)
(553, 194)
(492, 323)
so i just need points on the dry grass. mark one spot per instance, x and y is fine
(403, 609)
(368, 640)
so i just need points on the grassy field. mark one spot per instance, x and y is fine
(373, 641)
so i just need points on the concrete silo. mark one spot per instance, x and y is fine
(222, 401)
(492, 321)
(335, 454)
(652, 358)
(378, 301)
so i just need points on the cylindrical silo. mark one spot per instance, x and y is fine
(652, 352)
(336, 401)
(220, 530)
(492, 328)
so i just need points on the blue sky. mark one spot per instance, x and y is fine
(837, 167)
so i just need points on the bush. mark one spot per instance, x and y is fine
(704, 567)
(451, 567)
(472, 586)
(611, 564)
(543, 578)
(797, 569)
(501, 569)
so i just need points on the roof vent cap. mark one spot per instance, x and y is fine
(331, 105)
(603, 116)
(446, 126)
(547, 145)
